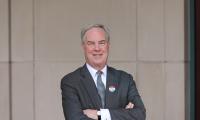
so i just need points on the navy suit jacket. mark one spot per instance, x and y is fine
(79, 92)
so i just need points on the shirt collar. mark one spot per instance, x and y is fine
(94, 71)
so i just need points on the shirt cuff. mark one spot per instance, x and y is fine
(105, 114)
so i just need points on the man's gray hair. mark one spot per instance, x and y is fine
(103, 27)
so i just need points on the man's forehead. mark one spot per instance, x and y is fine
(95, 30)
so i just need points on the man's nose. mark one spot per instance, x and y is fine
(97, 47)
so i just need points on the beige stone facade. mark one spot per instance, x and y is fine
(42, 40)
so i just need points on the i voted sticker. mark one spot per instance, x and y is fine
(112, 88)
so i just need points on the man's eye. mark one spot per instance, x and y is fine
(102, 43)
(90, 43)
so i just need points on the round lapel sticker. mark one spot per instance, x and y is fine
(112, 88)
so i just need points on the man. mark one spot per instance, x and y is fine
(97, 90)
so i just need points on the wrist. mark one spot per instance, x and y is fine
(98, 112)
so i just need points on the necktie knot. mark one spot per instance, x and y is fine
(99, 73)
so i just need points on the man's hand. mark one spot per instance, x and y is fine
(129, 106)
(91, 113)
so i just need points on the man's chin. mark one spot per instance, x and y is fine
(100, 64)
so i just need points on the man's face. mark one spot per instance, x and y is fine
(96, 48)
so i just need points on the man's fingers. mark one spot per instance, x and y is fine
(129, 106)
(91, 113)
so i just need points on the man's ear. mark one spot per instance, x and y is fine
(108, 44)
(83, 45)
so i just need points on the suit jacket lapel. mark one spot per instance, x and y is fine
(90, 86)
(111, 88)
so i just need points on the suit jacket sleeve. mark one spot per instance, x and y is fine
(70, 101)
(138, 112)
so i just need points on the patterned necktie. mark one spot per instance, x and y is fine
(101, 88)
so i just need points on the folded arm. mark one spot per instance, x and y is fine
(71, 104)
(138, 112)
(91, 113)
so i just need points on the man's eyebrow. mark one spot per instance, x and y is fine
(102, 40)
(89, 41)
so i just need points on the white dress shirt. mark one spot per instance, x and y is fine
(105, 114)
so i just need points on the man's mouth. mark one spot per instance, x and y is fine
(96, 55)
